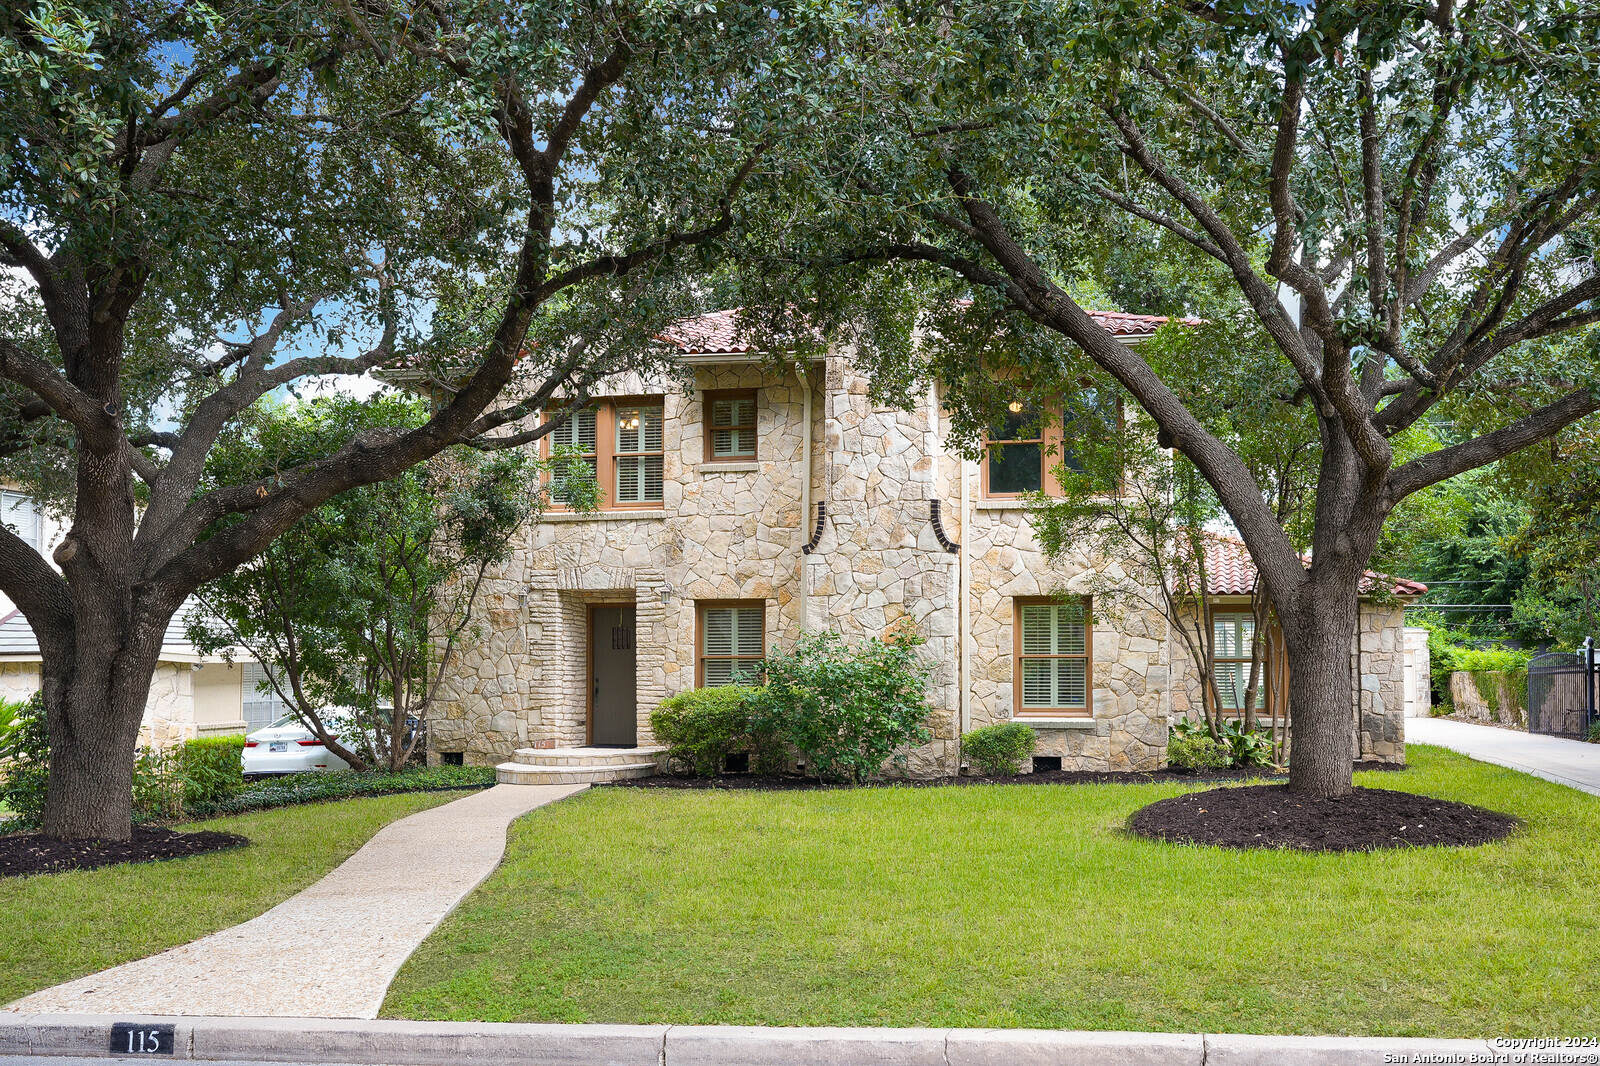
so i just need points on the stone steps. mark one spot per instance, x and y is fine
(563, 766)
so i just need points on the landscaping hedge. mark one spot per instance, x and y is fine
(343, 784)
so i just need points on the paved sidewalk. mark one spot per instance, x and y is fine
(332, 950)
(1566, 762)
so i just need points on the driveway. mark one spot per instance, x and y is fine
(1566, 762)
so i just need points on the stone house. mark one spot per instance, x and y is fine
(766, 501)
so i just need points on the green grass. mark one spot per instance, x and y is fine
(61, 926)
(1021, 906)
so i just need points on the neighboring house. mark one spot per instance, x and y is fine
(191, 694)
(766, 501)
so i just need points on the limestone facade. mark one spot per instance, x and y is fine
(1378, 659)
(736, 531)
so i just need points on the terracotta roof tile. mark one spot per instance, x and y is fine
(1229, 571)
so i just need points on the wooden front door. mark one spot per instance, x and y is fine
(613, 702)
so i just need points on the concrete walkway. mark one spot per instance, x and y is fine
(1566, 762)
(332, 950)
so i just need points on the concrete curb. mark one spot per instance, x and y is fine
(56, 1039)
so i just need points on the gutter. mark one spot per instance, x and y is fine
(802, 371)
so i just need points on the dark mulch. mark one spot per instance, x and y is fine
(33, 853)
(1270, 816)
(795, 782)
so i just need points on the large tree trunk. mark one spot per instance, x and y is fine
(94, 713)
(1320, 687)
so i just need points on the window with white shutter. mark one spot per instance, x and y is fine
(262, 704)
(730, 425)
(1052, 645)
(1233, 634)
(21, 516)
(638, 454)
(732, 642)
(622, 442)
(577, 432)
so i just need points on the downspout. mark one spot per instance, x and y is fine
(805, 488)
(963, 584)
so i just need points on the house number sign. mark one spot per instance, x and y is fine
(128, 1038)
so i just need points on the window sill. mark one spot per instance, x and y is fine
(642, 514)
(1000, 505)
(729, 466)
(1054, 721)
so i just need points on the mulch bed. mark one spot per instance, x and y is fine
(22, 854)
(795, 782)
(1270, 816)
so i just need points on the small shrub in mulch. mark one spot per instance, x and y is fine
(1270, 816)
(33, 853)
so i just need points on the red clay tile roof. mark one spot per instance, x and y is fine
(1229, 571)
(717, 333)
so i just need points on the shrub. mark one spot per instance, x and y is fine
(158, 785)
(344, 784)
(212, 768)
(846, 708)
(999, 750)
(1197, 752)
(1593, 736)
(25, 762)
(702, 727)
(1239, 748)
(1246, 747)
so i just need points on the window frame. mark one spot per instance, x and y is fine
(619, 403)
(700, 609)
(1018, 711)
(606, 454)
(710, 396)
(1049, 417)
(1052, 441)
(1273, 689)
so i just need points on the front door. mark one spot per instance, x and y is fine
(613, 707)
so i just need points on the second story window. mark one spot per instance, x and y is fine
(1015, 459)
(621, 441)
(638, 454)
(578, 432)
(1023, 451)
(730, 419)
(21, 515)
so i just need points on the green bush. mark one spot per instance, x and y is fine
(999, 750)
(846, 708)
(702, 727)
(1238, 747)
(158, 784)
(212, 768)
(1197, 752)
(1246, 747)
(1593, 736)
(344, 784)
(25, 762)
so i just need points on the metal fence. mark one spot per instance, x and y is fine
(1561, 692)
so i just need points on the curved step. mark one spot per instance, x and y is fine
(519, 773)
(556, 757)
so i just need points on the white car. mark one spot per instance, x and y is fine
(287, 747)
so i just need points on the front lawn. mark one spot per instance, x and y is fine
(61, 926)
(1021, 906)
